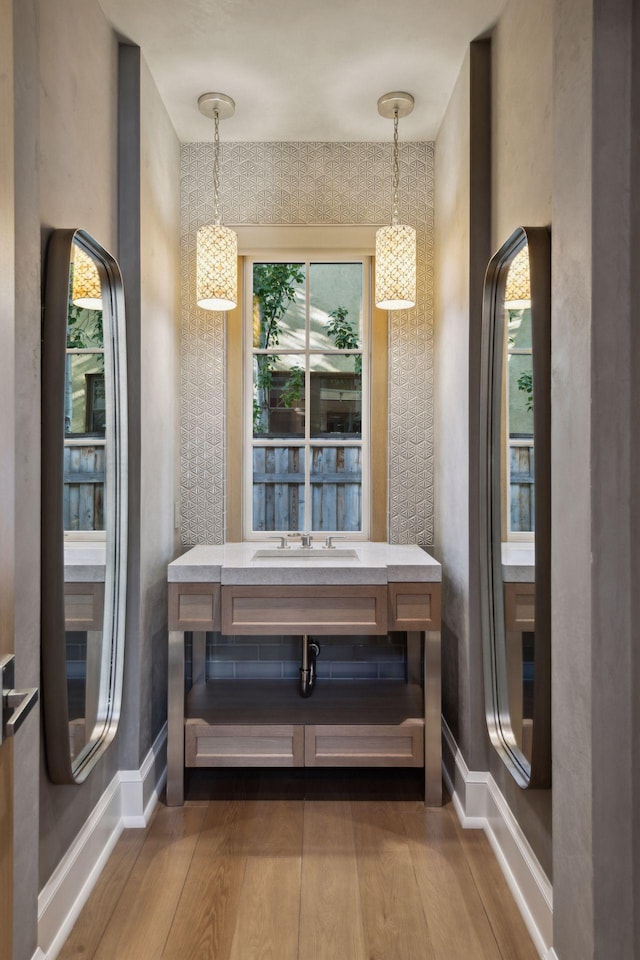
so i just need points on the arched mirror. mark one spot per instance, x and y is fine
(516, 504)
(84, 503)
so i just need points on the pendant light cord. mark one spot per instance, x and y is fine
(216, 170)
(396, 169)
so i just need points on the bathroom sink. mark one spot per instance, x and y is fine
(306, 553)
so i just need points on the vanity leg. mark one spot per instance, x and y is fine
(198, 657)
(432, 720)
(175, 720)
(414, 656)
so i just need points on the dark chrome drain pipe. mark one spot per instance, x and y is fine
(310, 650)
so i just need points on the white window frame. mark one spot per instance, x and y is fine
(306, 257)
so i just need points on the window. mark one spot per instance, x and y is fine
(306, 396)
(84, 425)
(520, 447)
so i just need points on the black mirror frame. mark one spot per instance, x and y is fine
(54, 685)
(537, 773)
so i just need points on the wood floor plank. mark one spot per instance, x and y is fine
(269, 912)
(142, 918)
(205, 919)
(392, 912)
(506, 921)
(330, 915)
(288, 879)
(455, 913)
(91, 924)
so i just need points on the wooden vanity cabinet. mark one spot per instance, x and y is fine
(345, 723)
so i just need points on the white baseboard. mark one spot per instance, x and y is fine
(136, 784)
(479, 804)
(121, 805)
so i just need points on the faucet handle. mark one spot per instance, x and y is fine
(283, 542)
(328, 544)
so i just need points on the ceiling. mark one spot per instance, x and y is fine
(303, 69)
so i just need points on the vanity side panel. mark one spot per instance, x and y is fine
(76, 187)
(414, 606)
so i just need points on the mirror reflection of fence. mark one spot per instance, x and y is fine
(515, 512)
(84, 503)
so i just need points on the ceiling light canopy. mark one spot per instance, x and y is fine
(217, 245)
(396, 243)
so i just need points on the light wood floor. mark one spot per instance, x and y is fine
(265, 874)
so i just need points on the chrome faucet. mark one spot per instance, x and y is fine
(328, 544)
(283, 542)
(305, 539)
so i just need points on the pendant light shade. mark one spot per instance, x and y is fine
(217, 268)
(396, 267)
(395, 244)
(86, 286)
(217, 245)
(517, 294)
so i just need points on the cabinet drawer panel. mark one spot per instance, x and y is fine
(414, 606)
(83, 606)
(400, 745)
(221, 745)
(520, 606)
(194, 606)
(295, 610)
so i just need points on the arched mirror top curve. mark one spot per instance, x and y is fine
(84, 503)
(515, 509)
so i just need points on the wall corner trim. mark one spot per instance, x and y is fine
(121, 805)
(479, 804)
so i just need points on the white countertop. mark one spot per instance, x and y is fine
(84, 561)
(518, 562)
(233, 563)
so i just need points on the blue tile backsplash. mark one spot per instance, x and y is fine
(269, 658)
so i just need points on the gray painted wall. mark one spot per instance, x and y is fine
(521, 194)
(451, 349)
(77, 188)
(595, 436)
(27, 521)
(67, 176)
(571, 458)
(160, 395)
(522, 159)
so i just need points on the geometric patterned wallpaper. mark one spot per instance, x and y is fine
(308, 183)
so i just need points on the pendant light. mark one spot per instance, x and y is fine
(217, 245)
(395, 244)
(517, 294)
(86, 287)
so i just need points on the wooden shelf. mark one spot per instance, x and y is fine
(266, 723)
(333, 702)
